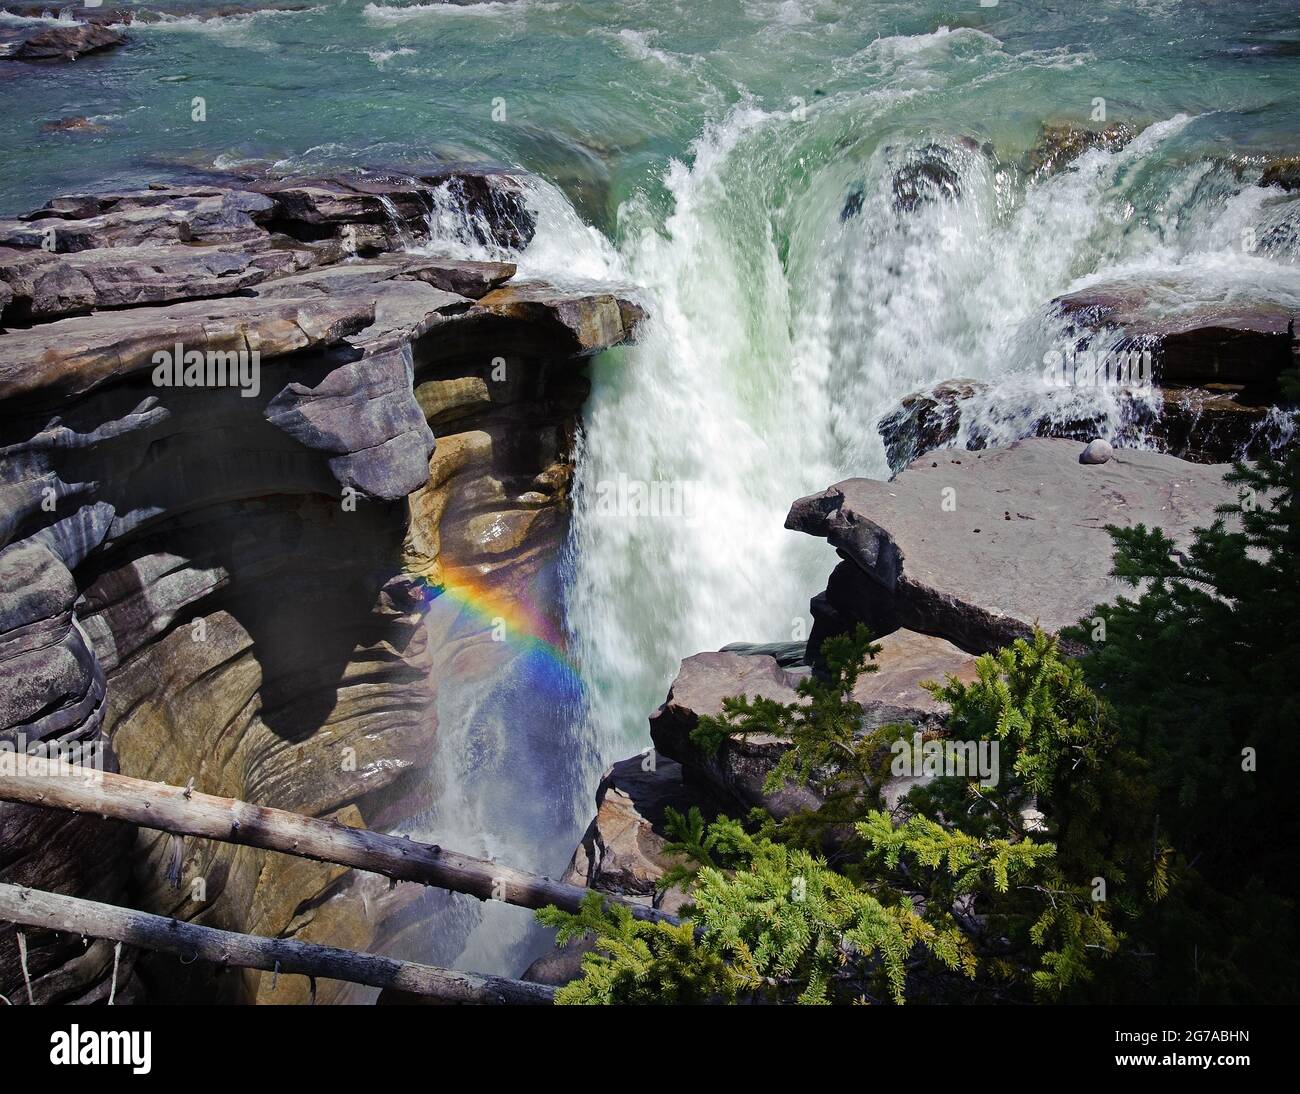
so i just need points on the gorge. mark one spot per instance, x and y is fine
(595, 408)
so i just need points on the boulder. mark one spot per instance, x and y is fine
(891, 694)
(925, 420)
(1281, 171)
(56, 41)
(622, 850)
(1206, 342)
(1096, 451)
(979, 547)
(118, 16)
(462, 277)
(1061, 143)
(930, 175)
(740, 766)
(78, 123)
(1214, 423)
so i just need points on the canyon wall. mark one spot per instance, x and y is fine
(225, 578)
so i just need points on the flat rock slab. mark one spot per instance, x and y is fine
(1025, 541)
(46, 286)
(79, 222)
(72, 356)
(462, 276)
(582, 323)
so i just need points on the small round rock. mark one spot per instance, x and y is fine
(1098, 451)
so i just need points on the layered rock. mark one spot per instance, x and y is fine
(979, 547)
(889, 694)
(229, 583)
(1213, 423)
(1193, 339)
(55, 692)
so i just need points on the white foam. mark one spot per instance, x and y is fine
(388, 13)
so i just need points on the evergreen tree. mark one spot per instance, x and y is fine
(963, 885)
(1199, 669)
(1140, 844)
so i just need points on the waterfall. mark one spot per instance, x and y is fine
(800, 285)
(804, 267)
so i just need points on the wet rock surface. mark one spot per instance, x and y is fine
(1213, 423)
(1198, 342)
(56, 41)
(1059, 144)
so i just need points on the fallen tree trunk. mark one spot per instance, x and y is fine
(52, 911)
(189, 813)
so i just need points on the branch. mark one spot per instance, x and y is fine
(52, 911)
(187, 812)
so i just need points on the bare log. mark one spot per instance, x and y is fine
(52, 911)
(187, 812)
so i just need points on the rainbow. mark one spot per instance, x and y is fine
(526, 626)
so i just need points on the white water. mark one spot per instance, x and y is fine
(779, 333)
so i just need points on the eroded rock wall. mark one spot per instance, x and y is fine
(230, 584)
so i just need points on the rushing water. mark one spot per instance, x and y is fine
(705, 152)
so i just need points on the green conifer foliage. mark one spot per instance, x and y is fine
(1200, 668)
(957, 884)
(1139, 844)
